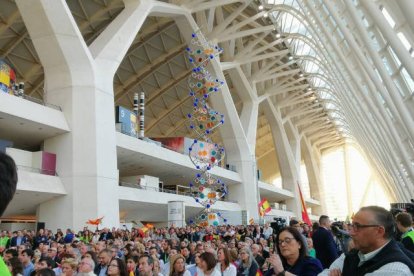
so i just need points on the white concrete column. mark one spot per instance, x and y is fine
(248, 94)
(287, 163)
(294, 141)
(176, 213)
(80, 80)
(314, 174)
(406, 7)
(348, 179)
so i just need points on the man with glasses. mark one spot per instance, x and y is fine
(375, 252)
(324, 243)
(52, 253)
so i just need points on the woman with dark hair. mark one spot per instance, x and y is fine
(15, 266)
(208, 264)
(86, 236)
(248, 265)
(59, 237)
(117, 267)
(292, 257)
(132, 265)
(128, 250)
(45, 272)
(224, 265)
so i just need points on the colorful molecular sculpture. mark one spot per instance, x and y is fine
(205, 218)
(204, 120)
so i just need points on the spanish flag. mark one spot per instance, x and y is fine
(305, 216)
(264, 207)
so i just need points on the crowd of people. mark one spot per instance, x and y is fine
(297, 249)
(366, 246)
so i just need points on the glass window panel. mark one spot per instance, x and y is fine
(374, 40)
(400, 88)
(388, 17)
(387, 66)
(404, 40)
(389, 113)
(394, 56)
(408, 80)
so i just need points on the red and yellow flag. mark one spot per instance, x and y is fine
(95, 222)
(264, 207)
(305, 216)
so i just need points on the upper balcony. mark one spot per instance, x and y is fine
(138, 157)
(27, 123)
(34, 187)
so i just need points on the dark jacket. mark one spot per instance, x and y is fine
(13, 241)
(325, 247)
(389, 254)
(306, 266)
(97, 269)
(106, 236)
(252, 269)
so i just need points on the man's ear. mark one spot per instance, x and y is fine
(381, 231)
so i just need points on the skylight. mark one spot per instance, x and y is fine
(388, 17)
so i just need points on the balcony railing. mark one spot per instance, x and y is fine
(172, 149)
(37, 170)
(164, 190)
(39, 101)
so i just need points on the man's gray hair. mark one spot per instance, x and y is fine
(383, 218)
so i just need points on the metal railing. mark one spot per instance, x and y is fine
(164, 190)
(37, 170)
(39, 101)
(168, 148)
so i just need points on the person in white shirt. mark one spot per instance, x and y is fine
(208, 264)
(267, 231)
(224, 265)
(375, 252)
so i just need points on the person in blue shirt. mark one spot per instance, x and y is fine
(292, 257)
(69, 236)
(26, 258)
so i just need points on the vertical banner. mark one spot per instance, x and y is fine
(176, 214)
(305, 216)
(141, 115)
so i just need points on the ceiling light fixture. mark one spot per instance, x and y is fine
(261, 7)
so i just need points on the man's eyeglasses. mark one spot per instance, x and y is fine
(286, 240)
(358, 226)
